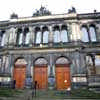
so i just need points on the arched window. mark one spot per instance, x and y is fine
(19, 37)
(27, 34)
(3, 38)
(45, 35)
(84, 36)
(56, 36)
(27, 39)
(38, 35)
(92, 33)
(64, 34)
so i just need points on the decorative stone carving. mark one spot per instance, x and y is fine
(41, 61)
(62, 60)
(20, 61)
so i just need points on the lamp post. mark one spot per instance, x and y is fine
(93, 60)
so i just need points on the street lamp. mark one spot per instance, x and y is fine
(92, 55)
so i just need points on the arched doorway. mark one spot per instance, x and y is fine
(62, 74)
(40, 73)
(19, 73)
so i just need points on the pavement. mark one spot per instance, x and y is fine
(27, 95)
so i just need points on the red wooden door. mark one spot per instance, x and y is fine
(20, 75)
(40, 75)
(62, 77)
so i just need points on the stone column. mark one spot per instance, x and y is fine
(6, 37)
(28, 72)
(75, 32)
(15, 37)
(69, 29)
(12, 36)
(24, 36)
(32, 35)
(11, 65)
(50, 36)
(78, 31)
(98, 32)
(51, 78)
(51, 65)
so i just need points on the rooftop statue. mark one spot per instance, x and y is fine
(41, 12)
(13, 16)
(72, 10)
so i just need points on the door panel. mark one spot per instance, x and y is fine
(40, 75)
(62, 77)
(19, 76)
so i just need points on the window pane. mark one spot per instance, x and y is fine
(27, 39)
(85, 37)
(45, 37)
(92, 34)
(56, 36)
(20, 38)
(3, 40)
(38, 38)
(64, 36)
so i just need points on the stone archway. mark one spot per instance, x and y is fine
(19, 73)
(40, 73)
(62, 74)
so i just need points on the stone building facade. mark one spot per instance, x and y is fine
(58, 51)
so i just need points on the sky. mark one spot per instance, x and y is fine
(25, 8)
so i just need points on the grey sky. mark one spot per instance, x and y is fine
(26, 8)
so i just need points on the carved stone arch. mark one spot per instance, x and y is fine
(19, 30)
(40, 61)
(20, 60)
(37, 29)
(62, 60)
(92, 25)
(45, 28)
(19, 56)
(56, 27)
(64, 27)
(84, 25)
(26, 30)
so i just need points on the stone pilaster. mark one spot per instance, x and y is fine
(11, 37)
(51, 78)
(50, 36)
(98, 32)
(74, 32)
(28, 73)
(32, 35)
(28, 67)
